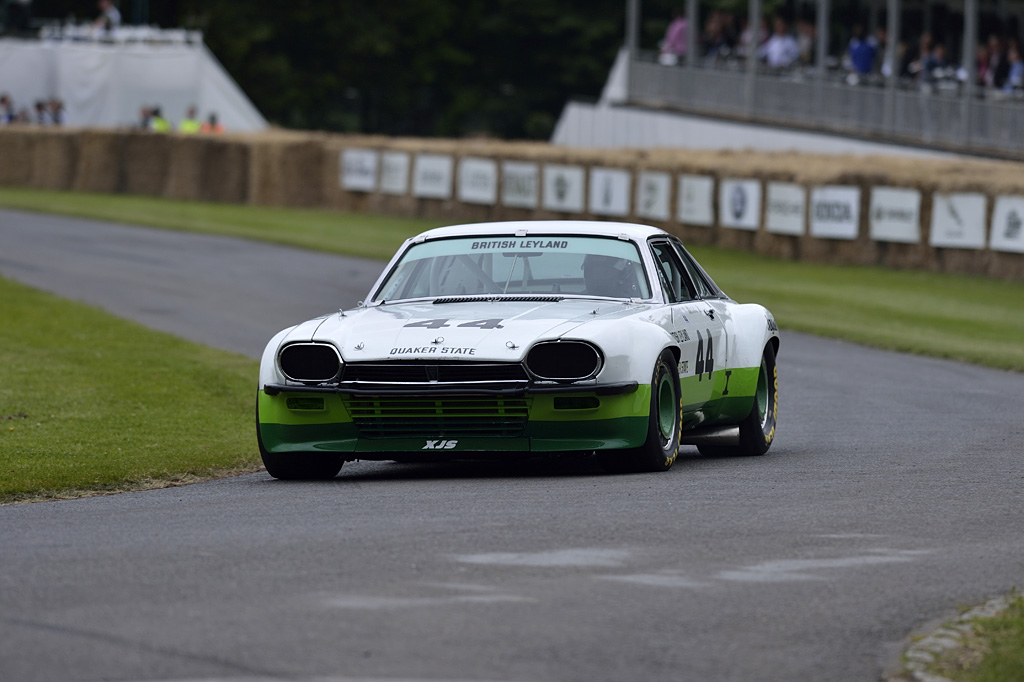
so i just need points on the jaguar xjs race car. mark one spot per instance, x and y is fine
(533, 338)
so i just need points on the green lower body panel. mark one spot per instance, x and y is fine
(327, 422)
(330, 422)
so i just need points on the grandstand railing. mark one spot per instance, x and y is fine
(937, 114)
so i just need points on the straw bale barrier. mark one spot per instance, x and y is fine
(469, 180)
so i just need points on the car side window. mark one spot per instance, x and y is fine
(674, 279)
(704, 289)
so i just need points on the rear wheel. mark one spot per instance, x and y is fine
(660, 450)
(757, 430)
(298, 466)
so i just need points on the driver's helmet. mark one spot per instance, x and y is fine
(609, 276)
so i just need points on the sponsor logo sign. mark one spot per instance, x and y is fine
(359, 170)
(432, 176)
(609, 191)
(563, 188)
(895, 215)
(739, 204)
(785, 208)
(478, 181)
(394, 173)
(520, 184)
(835, 212)
(958, 220)
(695, 197)
(652, 195)
(1008, 225)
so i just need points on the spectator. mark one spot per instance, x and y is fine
(981, 63)
(805, 41)
(212, 126)
(42, 113)
(189, 124)
(934, 65)
(673, 45)
(998, 65)
(1015, 75)
(861, 52)
(6, 109)
(749, 42)
(884, 57)
(915, 64)
(157, 123)
(58, 114)
(781, 50)
(109, 18)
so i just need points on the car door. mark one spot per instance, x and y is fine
(697, 328)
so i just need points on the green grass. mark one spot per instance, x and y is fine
(92, 403)
(972, 319)
(993, 652)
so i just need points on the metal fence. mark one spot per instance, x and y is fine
(939, 115)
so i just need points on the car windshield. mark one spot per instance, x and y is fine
(548, 265)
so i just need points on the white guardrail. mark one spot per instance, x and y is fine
(958, 220)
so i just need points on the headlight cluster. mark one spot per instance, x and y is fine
(309, 363)
(564, 361)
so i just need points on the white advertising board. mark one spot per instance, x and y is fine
(1008, 225)
(478, 181)
(653, 191)
(785, 208)
(359, 170)
(520, 184)
(895, 215)
(394, 173)
(695, 200)
(432, 176)
(563, 188)
(835, 212)
(739, 204)
(958, 220)
(609, 191)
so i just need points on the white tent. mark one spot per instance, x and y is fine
(105, 84)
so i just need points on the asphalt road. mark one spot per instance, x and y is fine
(891, 497)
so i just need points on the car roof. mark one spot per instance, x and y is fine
(589, 228)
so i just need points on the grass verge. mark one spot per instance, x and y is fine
(91, 403)
(972, 319)
(993, 650)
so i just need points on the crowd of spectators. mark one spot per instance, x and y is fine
(151, 118)
(46, 112)
(868, 58)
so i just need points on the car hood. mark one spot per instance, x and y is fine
(478, 330)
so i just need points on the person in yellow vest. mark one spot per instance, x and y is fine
(189, 124)
(212, 126)
(157, 123)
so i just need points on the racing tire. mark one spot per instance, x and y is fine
(757, 430)
(659, 451)
(298, 466)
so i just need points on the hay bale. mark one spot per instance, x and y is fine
(145, 163)
(55, 155)
(226, 166)
(98, 166)
(18, 154)
(186, 167)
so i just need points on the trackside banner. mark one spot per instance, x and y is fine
(895, 215)
(696, 194)
(394, 173)
(835, 212)
(958, 220)
(1008, 224)
(739, 204)
(653, 195)
(785, 209)
(359, 170)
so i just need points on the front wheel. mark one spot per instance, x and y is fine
(757, 430)
(660, 450)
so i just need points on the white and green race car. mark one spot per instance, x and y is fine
(540, 337)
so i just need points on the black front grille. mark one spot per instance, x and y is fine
(404, 372)
(443, 417)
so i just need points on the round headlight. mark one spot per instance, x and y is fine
(564, 360)
(309, 362)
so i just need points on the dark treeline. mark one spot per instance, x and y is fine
(502, 68)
